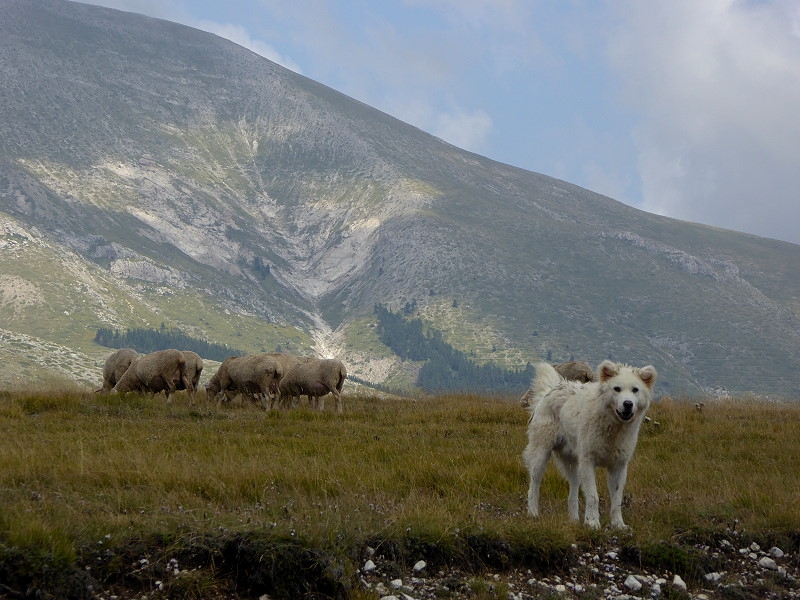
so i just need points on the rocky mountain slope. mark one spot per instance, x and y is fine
(152, 173)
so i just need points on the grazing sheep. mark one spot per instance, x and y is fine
(315, 377)
(194, 367)
(255, 376)
(287, 361)
(151, 373)
(115, 366)
(574, 370)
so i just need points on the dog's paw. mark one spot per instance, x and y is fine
(619, 525)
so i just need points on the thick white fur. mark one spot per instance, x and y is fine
(583, 426)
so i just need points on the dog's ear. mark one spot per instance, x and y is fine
(648, 375)
(607, 370)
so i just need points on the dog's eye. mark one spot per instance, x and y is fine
(617, 389)
(635, 390)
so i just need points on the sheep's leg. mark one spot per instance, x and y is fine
(189, 385)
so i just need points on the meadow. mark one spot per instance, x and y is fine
(101, 490)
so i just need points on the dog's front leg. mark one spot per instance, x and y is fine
(589, 485)
(574, 491)
(617, 475)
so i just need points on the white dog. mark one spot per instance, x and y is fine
(586, 425)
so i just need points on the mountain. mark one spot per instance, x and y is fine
(152, 173)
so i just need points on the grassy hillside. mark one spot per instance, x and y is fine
(104, 490)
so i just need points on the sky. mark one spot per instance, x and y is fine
(683, 108)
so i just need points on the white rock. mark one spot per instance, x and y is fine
(678, 582)
(755, 547)
(396, 583)
(776, 552)
(612, 555)
(713, 577)
(561, 588)
(389, 598)
(419, 565)
(655, 591)
(368, 567)
(633, 584)
(767, 563)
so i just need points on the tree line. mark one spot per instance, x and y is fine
(445, 369)
(151, 340)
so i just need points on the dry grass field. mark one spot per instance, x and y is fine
(103, 491)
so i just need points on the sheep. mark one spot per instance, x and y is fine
(574, 370)
(287, 361)
(315, 377)
(255, 375)
(194, 367)
(115, 366)
(154, 372)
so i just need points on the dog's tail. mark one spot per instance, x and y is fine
(547, 378)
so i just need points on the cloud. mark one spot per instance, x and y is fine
(239, 35)
(177, 12)
(716, 85)
(420, 61)
(465, 129)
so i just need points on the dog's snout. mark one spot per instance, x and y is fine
(628, 405)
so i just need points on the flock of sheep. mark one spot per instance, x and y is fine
(273, 377)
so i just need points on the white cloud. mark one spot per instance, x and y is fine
(465, 129)
(177, 12)
(717, 85)
(374, 58)
(239, 35)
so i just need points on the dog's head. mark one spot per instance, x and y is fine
(627, 389)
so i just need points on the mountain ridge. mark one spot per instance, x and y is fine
(180, 178)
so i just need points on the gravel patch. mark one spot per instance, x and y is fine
(607, 572)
